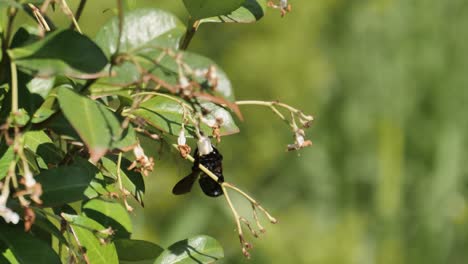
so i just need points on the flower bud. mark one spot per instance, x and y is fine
(181, 140)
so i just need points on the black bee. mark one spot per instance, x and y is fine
(213, 162)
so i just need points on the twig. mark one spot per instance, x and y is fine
(190, 33)
(67, 11)
(14, 88)
(79, 11)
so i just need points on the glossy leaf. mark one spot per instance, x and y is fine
(147, 27)
(144, 29)
(100, 186)
(199, 249)
(46, 225)
(137, 250)
(86, 118)
(64, 184)
(109, 213)
(96, 125)
(250, 11)
(60, 125)
(209, 8)
(167, 115)
(25, 247)
(87, 232)
(39, 143)
(61, 52)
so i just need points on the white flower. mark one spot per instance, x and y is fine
(9, 215)
(183, 81)
(284, 3)
(181, 140)
(29, 181)
(300, 137)
(204, 146)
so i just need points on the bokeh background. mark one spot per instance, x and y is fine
(386, 179)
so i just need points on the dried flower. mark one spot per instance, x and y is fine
(283, 6)
(29, 218)
(184, 149)
(212, 76)
(141, 163)
(300, 141)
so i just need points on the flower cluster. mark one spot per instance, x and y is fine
(282, 5)
(142, 163)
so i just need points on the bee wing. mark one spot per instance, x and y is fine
(185, 185)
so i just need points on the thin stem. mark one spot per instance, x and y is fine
(121, 24)
(80, 247)
(45, 6)
(190, 33)
(79, 11)
(14, 88)
(66, 9)
(119, 180)
(43, 26)
(252, 200)
(245, 246)
(9, 29)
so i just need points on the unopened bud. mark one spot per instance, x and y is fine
(181, 140)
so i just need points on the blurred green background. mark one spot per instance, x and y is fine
(385, 181)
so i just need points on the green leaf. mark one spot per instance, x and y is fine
(64, 184)
(7, 155)
(109, 213)
(61, 52)
(100, 186)
(87, 232)
(137, 250)
(40, 144)
(208, 8)
(46, 225)
(7, 257)
(31, 94)
(144, 29)
(132, 181)
(147, 27)
(198, 249)
(85, 116)
(25, 247)
(167, 115)
(250, 12)
(96, 125)
(8, 3)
